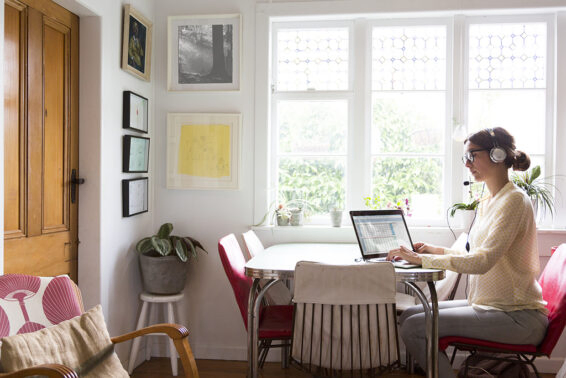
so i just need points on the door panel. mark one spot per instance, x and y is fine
(14, 148)
(41, 235)
(55, 167)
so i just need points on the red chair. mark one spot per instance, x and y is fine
(553, 283)
(275, 322)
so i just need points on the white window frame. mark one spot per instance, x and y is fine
(555, 162)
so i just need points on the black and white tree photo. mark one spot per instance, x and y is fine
(205, 54)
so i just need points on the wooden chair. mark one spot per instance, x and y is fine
(345, 321)
(178, 333)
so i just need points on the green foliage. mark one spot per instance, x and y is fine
(536, 188)
(319, 183)
(464, 206)
(163, 244)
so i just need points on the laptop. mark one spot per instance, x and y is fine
(379, 231)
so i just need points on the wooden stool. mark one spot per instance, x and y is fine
(147, 309)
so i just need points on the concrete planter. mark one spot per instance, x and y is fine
(163, 274)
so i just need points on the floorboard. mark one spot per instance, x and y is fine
(161, 367)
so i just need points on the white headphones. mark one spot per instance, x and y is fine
(496, 154)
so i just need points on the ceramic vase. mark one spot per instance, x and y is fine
(336, 218)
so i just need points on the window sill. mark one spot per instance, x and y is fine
(345, 234)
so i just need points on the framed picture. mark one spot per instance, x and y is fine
(203, 53)
(134, 196)
(135, 112)
(203, 151)
(136, 43)
(136, 154)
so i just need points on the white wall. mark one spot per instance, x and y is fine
(209, 309)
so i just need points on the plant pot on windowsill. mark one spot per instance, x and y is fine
(163, 260)
(336, 217)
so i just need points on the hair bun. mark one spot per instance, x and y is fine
(521, 161)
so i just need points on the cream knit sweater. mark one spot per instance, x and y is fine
(503, 261)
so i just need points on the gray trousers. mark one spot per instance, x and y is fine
(457, 318)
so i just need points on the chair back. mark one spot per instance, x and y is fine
(253, 244)
(30, 303)
(234, 263)
(345, 317)
(553, 283)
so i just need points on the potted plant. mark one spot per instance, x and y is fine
(467, 209)
(282, 215)
(538, 190)
(163, 259)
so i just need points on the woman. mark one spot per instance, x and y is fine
(505, 301)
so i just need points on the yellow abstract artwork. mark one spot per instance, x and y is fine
(204, 150)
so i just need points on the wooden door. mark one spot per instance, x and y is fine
(40, 138)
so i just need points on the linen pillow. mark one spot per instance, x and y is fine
(81, 343)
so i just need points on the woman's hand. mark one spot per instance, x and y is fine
(406, 254)
(427, 248)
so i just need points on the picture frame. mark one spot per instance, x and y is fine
(135, 116)
(135, 196)
(136, 154)
(136, 43)
(203, 151)
(210, 65)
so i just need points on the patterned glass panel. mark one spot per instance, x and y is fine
(504, 56)
(409, 58)
(312, 59)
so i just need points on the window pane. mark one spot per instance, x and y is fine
(312, 59)
(312, 127)
(521, 112)
(406, 58)
(417, 179)
(319, 181)
(507, 55)
(408, 122)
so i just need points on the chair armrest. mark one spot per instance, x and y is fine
(49, 370)
(178, 333)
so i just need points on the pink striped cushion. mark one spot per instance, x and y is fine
(30, 303)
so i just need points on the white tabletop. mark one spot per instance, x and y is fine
(278, 261)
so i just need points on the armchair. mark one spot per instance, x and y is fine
(42, 302)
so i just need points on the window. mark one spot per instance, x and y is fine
(310, 115)
(367, 107)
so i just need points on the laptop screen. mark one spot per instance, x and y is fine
(379, 231)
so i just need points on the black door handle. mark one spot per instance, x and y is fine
(74, 182)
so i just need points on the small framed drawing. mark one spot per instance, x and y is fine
(134, 196)
(203, 151)
(203, 53)
(136, 154)
(136, 43)
(135, 112)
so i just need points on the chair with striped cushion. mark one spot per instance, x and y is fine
(345, 319)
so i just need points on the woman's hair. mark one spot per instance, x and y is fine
(519, 160)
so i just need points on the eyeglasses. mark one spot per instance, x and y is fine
(469, 155)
